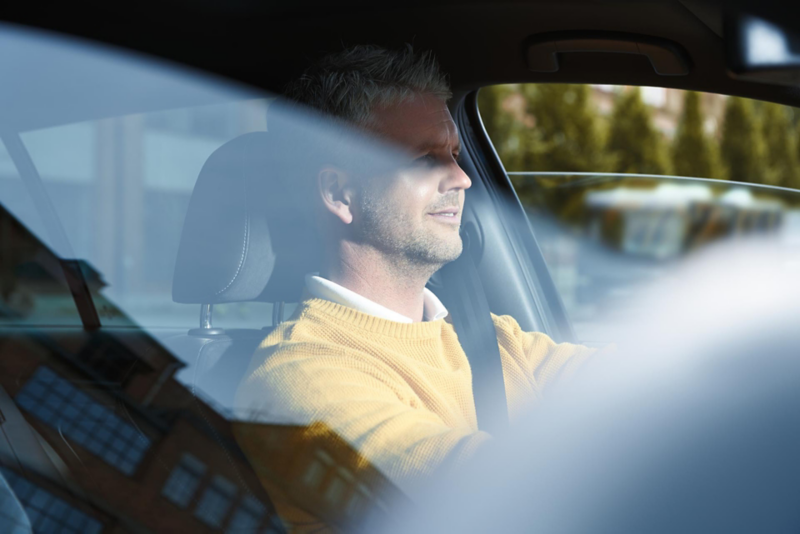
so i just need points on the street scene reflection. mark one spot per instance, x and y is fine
(605, 237)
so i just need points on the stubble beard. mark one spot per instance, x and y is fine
(413, 249)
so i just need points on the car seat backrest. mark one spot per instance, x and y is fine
(246, 225)
(247, 236)
(250, 233)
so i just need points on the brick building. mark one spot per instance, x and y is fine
(113, 442)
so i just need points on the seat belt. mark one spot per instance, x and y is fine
(466, 302)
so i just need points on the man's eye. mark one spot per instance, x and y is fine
(427, 160)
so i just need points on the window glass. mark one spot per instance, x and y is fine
(620, 184)
(358, 500)
(164, 226)
(13, 517)
(335, 490)
(248, 515)
(83, 419)
(15, 196)
(275, 526)
(184, 480)
(121, 188)
(643, 130)
(215, 502)
(106, 416)
(314, 473)
(47, 512)
(35, 291)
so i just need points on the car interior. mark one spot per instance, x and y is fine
(592, 36)
(234, 244)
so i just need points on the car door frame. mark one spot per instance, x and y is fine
(512, 267)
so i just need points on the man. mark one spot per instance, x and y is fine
(370, 353)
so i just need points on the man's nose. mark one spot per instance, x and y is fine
(455, 179)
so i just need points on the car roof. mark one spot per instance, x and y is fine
(266, 44)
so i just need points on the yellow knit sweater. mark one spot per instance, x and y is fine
(399, 393)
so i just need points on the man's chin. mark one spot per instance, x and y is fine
(451, 253)
(436, 257)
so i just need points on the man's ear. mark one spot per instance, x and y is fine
(337, 190)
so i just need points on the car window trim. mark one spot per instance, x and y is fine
(542, 293)
(70, 267)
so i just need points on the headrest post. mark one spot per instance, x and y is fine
(277, 313)
(206, 311)
(206, 328)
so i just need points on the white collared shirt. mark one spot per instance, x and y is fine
(322, 288)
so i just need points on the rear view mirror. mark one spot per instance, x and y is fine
(761, 50)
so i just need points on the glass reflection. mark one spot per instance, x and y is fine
(605, 236)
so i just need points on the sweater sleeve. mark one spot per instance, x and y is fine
(541, 360)
(364, 404)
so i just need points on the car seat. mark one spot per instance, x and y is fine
(246, 237)
(249, 232)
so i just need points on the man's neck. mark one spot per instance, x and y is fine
(390, 282)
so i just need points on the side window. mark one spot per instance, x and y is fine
(105, 423)
(121, 187)
(33, 291)
(14, 196)
(621, 183)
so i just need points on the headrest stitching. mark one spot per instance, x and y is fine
(244, 250)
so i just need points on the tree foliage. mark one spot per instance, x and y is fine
(742, 146)
(636, 145)
(548, 127)
(693, 152)
(780, 144)
(567, 130)
(506, 131)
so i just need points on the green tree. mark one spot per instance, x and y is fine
(778, 134)
(742, 146)
(693, 153)
(504, 129)
(795, 184)
(566, 135)
(637, 147)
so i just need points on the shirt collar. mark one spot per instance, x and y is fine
(322, 288)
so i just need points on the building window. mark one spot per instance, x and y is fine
(248, 515)
(216, 501)
(314, 473)
(274, 526)
(316, 469)
(48, 513)
(83, 420)
(338, 486)
(358, 501)
(183, 481)
(13, 519)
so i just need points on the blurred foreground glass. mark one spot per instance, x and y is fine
(99, 154)
(153, 234)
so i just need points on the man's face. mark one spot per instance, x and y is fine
(416, 212)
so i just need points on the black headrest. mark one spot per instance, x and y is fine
(249, 232)
(247, 224)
